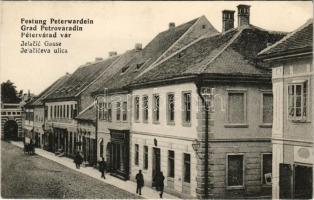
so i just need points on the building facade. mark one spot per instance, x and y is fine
(291, 60)
(11, 121)
(169, 133)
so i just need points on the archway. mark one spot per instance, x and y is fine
(10, 130)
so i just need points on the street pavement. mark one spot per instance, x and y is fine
(46, 178)
(26, 176)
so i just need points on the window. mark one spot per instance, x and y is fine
(235, 175)
(124, 69)
(171, 164)
(109, 112)
(266, 168)
(55, 111)
(267, 108)
(124, 111)
(187, 107)
(100, 109)
(170, 108)
(71, 111)
(297, 101)
(68, 111)
(64, 111)
(145, 108)
(145, 157)
(236, 107)
(137, 108)
(187, 168)
(156, 108)
(51, 114)
(61, 111)
(136, 154)
(105, 111)
(118, 110)
(101, 149)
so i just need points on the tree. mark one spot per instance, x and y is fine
(9, 93)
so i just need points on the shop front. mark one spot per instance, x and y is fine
(119, 153)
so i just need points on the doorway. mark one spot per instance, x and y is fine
(10, 130)
(155, 165)
(303, 176)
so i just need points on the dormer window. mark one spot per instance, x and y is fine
(138, 66)
(124, 69)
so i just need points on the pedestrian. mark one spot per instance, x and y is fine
(102, 167)
(139, 182)
(78, 160)
(161, 179)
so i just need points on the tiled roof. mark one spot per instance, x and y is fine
(299, 39)
(88, 114)
(81, 78)
(147, 56)
(113, 69)
(230, 53)
(38, 101)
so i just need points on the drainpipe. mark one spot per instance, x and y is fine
(206, 156)
(96, 132)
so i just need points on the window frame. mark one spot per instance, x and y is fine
(243, 170)
(174, 161)
(156, 113)
(136, 109)
(245, 102)
(124, 111)
(145, 109)
(262, 169)
(184, 172)
(118, 111)
(170, 122)
(109, 112)
(145, 157)
(136, 154)
(184, 122)
(262, 123)
(302, 118)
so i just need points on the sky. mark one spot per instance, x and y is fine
(117, 27)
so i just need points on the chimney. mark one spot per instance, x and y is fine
(243, 15)
(98, 59)
(172, 25)
(138, 46)
(227, 20)
(112, 53)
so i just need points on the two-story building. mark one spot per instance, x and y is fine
(66, 102)
(291, 60)
(169, 130)
(115, 122)
(36, 114)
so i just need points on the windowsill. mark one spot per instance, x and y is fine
(240, 187)
(156, 122)
(137, 121)
(236, 125)
(266, 186)
(266, 125)
(301, 121)
(124, 121)
(145, 122)
(186, 183)
(171, 123)
(186, 124)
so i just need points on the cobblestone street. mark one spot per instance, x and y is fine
(25, 176)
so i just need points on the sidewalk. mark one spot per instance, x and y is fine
(129, 186)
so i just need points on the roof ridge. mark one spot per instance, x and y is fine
(152, 65)
(98, 77)
(186, 46)
(220, 52)
(307, 23)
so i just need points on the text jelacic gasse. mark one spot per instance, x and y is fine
(39, 43)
